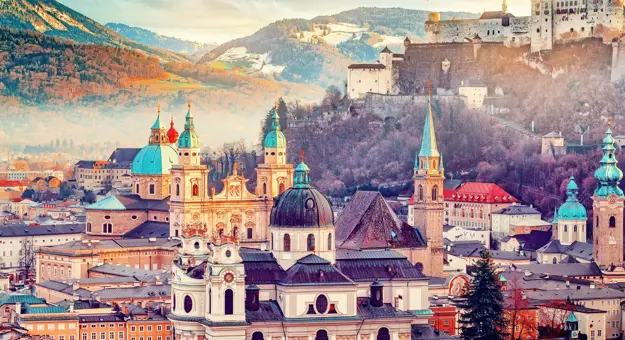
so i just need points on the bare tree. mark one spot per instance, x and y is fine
(27, 257)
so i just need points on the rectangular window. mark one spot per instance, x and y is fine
(159, 328)
(141, 328)
(151, 189)
(120, 335)
(61, 337)
(50, 326)
(133, 328)
(149, 338)
(102, 336)
(149, 328)
(249, 233)
(71, 337)
(84, 336)
(94, 336)
(168, 327)
(102, 325)
(112, 335)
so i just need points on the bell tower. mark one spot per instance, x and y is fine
(188, 196)
(428, 196)
(608, 204)
(274, 175)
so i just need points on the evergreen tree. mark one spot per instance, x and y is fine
(282, 113)
(482, 317)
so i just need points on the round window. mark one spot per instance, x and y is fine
(321, 304)
(134, 217)
(107, 217)
(188, 304)
(197, 245)
(310, 203)
(228, 253)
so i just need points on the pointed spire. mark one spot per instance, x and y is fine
(188, 138)
(608, 175)
(157, 123)
(555, 215)
(275, 118)
(428, 142)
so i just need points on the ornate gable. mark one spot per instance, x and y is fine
(235, 188)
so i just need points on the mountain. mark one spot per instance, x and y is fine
(319, 50)
(52, 18)
(153, 39)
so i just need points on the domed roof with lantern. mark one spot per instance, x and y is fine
(172, 133)
(158, 156)
(302, 206)
(188, 138)
(275, 138)
(571, 210)
(608, 174)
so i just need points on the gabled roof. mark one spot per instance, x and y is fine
(366, 266)
(368, 222)
(479, 193)
(313, 270)
(552, 134)
(533, 241)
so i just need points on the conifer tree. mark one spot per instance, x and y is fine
(482, 317)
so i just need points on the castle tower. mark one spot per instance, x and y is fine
(504, 7)
(541, 25)
(428, 197)
(570, 224)
(151, 167)
(608, 203)
(274, 174)
(189, 195)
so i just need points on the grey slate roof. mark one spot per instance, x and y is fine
(508, 255)
(261, 267)
(314, 270)
(386, 311)
(577, 294)
(112, 269)
(427, 332)
(113, 244)
(533, 241)
(122, 158)
(366, 266)
(471, 248)
(517, 210)
(149, 229)
(564, 269)
(141, 292)
(47, 229)
(576, 249)
(269, 311)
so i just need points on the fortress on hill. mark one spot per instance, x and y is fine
(551, 22)
(456, 51)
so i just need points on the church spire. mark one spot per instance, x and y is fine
(608, 175)
(428, 142)
(188, 138)
(158, 134)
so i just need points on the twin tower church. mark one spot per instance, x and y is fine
(275, 262)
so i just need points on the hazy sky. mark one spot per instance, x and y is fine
(222, 20)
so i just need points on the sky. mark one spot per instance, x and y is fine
(223, 20)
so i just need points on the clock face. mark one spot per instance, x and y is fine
(229, 277)
(612, 200)
(196, 216)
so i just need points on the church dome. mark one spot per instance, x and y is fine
(572, 210)
(302, 206)
(154, 159)
(275, 138)
(172, 133)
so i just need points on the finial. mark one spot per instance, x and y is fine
(235, 168)
(158, 108)
(609, 122)
(189, 104)
(301, 155)
(275, 104)
(171, 118)
(429, 86)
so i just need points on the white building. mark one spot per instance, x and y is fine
(456, 234)
(375, 78)
(475, 92)
(503, 218)
(24, 175)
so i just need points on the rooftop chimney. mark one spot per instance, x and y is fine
(252, 302)
(377, 294)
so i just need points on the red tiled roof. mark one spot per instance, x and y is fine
(479, 193)
(10, 183)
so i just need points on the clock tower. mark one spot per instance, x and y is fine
(608, 204)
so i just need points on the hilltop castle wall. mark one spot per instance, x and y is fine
(511, 31)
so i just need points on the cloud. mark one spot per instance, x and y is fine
(221, 20)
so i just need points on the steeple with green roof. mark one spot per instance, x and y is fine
(302, 174)
(189, 139)
(571, 210)
(608, 175)
(429, 158)
(275, 138)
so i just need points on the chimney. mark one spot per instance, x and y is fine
(397, 303)
(592, 286)
(377, 294)
(252, 302)
(528, 273)
(18, 308)
(125, 309)
(568, 283)
(263, 246)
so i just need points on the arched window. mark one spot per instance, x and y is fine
(566, 228)
(229, 302)
(235, 232)
(281, 187)
(258, 336)
(555, 260)
(329, 241)
(196, 190)
(286, 242)
(420, 192)
(310, 242)
(264, 188)
(107, 228)
(435, 193)
(419, 266)
(383, 334)
(321, 335)
(188, 304)
(575, 228)
(89, 227)
(177, 189)
(612, 222)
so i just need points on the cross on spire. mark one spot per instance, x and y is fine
(428, 85)
(301, 155)
(189, 103)
(158, 108)
(609, 122)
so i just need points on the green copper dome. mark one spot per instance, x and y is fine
(608, 175)
(189, 139)
(275, 138)
(154, 159)
(571, 210)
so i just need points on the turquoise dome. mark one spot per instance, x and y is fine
(608, 175)
(189, 139)
(571, 210)
(275, 138)
(154, 159)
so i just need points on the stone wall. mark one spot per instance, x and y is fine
(386, 106)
